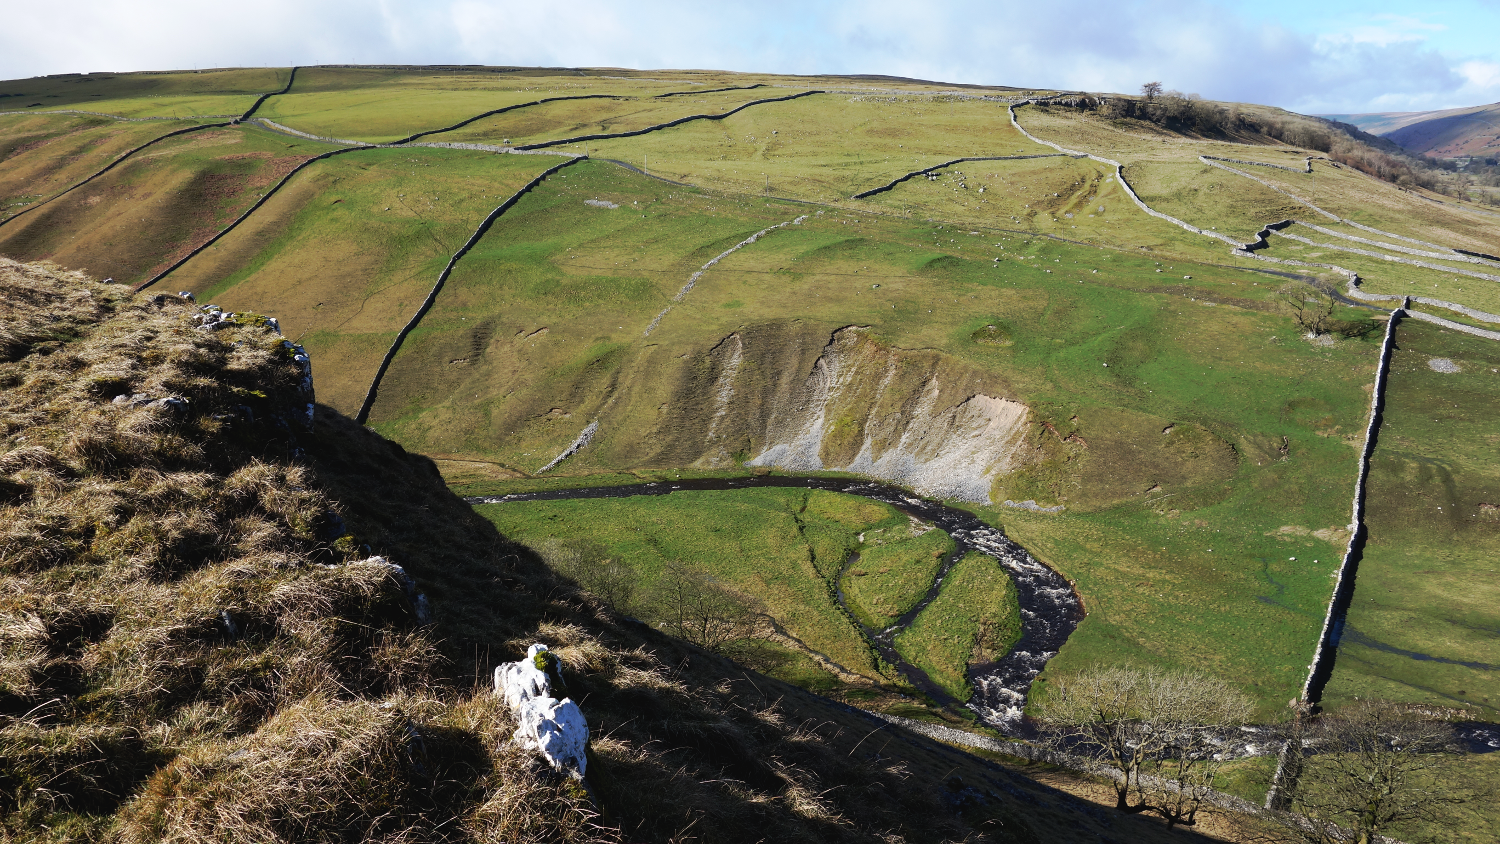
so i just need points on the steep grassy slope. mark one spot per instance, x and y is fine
(158, 205)
(47, 154)
(352, 245)
(1452, 133)
(197, 641)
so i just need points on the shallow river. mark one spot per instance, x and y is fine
(1050, 610)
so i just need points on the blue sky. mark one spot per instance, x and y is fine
(1312, 57)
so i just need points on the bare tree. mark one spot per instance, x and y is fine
(1151, 90)
(694, 606)
(1375, 769)
(1162, 732)
(589, 564)
(1310, 304)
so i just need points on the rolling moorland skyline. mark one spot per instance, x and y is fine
(1331, 57)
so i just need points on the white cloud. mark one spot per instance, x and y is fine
(1195, 45)
(1481, 74)
(1392, 29)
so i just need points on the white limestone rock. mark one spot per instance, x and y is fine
(522, 680)
(555, 728)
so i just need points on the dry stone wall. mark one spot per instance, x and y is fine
(287, 130)
(112, 165)
(1444, 254)
(1119, 174)
(1392, 258)
(266, 96)
(240, 219)
(669, 124)
(1215, 163)
(462, 123)
(913, 174)
(1307, 169)
(484, 226)
(1321, 667)
(1457, 326)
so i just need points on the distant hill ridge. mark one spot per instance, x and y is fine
(1448, 133)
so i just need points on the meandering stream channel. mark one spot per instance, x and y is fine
(1050, 610)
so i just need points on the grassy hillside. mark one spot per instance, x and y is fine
(1417, 629)
(223, 92)
(203, 635)
(1452, 133)
(1135, 373)
(156, 206)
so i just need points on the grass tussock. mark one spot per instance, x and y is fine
(220, 623)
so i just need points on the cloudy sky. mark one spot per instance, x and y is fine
(1342, 56)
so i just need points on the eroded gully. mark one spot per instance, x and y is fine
(1050, 610)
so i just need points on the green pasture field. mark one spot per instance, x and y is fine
(348, 250)
(1208, 358)
(379, 106)
(1388, 277)
(1210, 198)
(974, 619)
(43, 155)
(158, 205)
(891, 576)
(571, 118)
(781, 546)
(187, 93)
(1422, 625)
(825, 147)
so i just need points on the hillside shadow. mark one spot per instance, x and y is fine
(685, 742)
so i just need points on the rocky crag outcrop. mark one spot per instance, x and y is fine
(767, 396)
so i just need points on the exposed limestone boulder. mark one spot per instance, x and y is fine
(555, 728)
